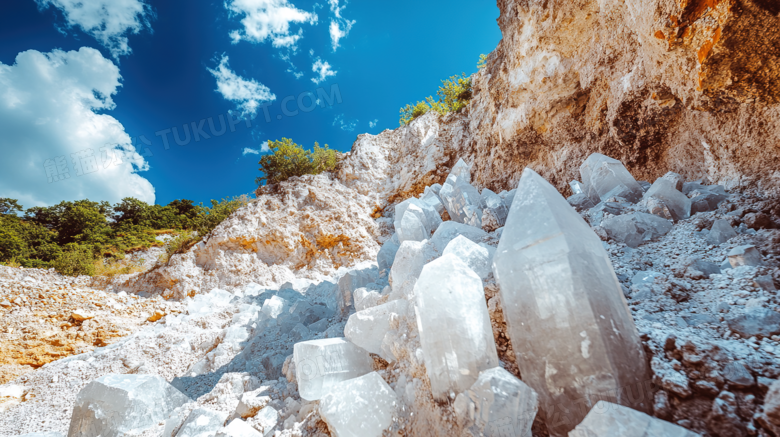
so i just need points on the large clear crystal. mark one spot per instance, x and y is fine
(415, 220)
(114, 405)
(409, 262)
(571, 330)
(477, 257)
(360, 407)
(455, 332)
(448, 231)
(351, 281)
(431, 198)
(503, 405)
(604, 177)
(321, 364)
(678, 204)
(466, 204)
(367, 328)
(202, 422)
(387, 252)
(720, 232)
(610, 420)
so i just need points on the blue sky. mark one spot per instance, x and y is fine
(80, 80)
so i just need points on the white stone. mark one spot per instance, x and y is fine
(274, 306)
(636, 228)
(449, 294)
(495, 212)
(321, 364)
(678, 204)
(252, 402)
(359, 407)
(415, 220)
(265, 421)
(604, 177)
(473, 255)
(386, 254)
(466, 204)
(367, 328)
(461, 170)
(448, 231)
(611, 420)
(350, 282)
(571, 330)
(577, 187)
(202, 422)
(114, 405)
(503, 405)
(745, 256)
(720, 232)
(238, 428)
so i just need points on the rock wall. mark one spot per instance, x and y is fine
(689, 86)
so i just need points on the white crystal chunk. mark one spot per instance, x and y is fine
(448, 231)
(387, 252)
(567, 319)
(604, 177)
(495, 212)
(745, 256)
(351, 281)
(359, 407)
(449, 294)
(202, 422)
(473, 255)
(678, 204)
(503, 405)
(636, 228)
(720, 232)
(610, 420)
(367, 328)
(238, 428)
(320, 364)
(462, 171)
(114, 405)
(409, 262)
(274, 306)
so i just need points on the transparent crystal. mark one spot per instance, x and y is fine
(265, 421)
(462, 171)
(503, 405)
(431, 198)
(448, 231)
(679, 204)
(408, 228)
(676, 179)
(113, 405)
(720, 232)
(610, 420)
(449, 294)
(577, 187)
(321, 364)
(351, 281)
(508, 197)
(495, 212)
(274, 306)
(360, 407)
(745, 256)
(466, 204)
(202, 422)
(473, 255)
(636, 228)
(580, 202)
(601, 175)
(409, 262)
(571, 330)
(365, 298)
(238, 428)
(387, 252)
(367, 328)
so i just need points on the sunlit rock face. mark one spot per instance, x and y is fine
(573, 336)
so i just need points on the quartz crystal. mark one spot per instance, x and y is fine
(577, 187)
(503, 405)
(571, 330)
(350, 282)
(238, 428)
(508, 197)
(359, 407)
(448, 231)
(274, 306)
(466, 204)
(720, 232)
(495, 212)
(580, 201)
(432, 199)
(202, 422)
(462, 171)
(679, 204)
(387, 252)
(367, 328)
(745, 256)
(407, 228)
(475, 256)
(676, 179)
(409, 262)
(610, 420)
(114, 405)
(636, 228)
(265, 421)
(320, 364)
(449, 294)
(604, 177)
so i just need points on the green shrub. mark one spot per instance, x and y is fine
(409, 112)
(290, 159)
(482, 62)
(76, 260)
(453, 95)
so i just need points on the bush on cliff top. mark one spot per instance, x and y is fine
(453, 95)
(290, 159)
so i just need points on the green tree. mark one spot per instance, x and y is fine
(76, 260)
(454, 95)
(9, 206)
(409, 112)
(290, 159)
(132, 211)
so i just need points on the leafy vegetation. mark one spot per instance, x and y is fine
(91, 238)
(454, 95)
(290, 159)
(482, 61)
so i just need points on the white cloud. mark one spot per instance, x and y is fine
(108, 21)
(345, 126)
(50, 125)
(269, 20)
(322, 69)
(263, 149)
(372, 124)
(339, 26)
(246, 94)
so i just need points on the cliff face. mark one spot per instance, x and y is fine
(689, 86)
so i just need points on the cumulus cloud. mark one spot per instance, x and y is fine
(265, 20)
(344, 125)
(339, 26)
(108, 21)
(250, 151)
(246, 94)
(56, 146)
(372, 124)
(323, 70)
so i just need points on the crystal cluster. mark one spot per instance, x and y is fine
(321, 364)
(114, 405)
(359, 407)
(568, 321)
(367, 328)
(449, 294)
